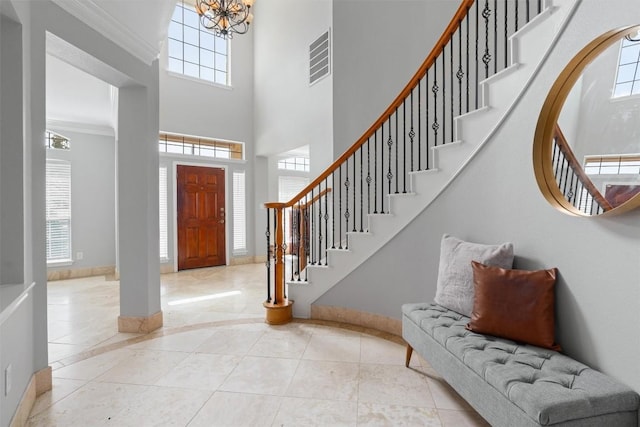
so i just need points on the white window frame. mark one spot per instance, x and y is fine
(296, 163)
(198, 146)
(213, 58)
(58, 209)
(628, 45)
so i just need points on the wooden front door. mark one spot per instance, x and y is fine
(201, 217)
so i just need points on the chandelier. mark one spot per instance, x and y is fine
(225, 17)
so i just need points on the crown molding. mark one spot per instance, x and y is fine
(92, 129)
(89, 12)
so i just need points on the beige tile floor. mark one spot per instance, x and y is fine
(216, 363)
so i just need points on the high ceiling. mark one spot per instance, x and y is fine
(74, 96)
(139, 26)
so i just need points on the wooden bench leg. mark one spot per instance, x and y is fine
(409, 353)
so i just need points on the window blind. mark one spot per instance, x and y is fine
(239, 213)
(58, 210)
(290, 186)
(164, 232)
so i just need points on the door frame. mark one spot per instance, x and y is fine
(174, 168)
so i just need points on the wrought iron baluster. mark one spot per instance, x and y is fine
(320, 236)
(305, 259)
(267, 234)
(397, 144)
(486, 58)
(404, 145)
(495, 35)
(382, 168)
(412, 134)
(566, 167)
(477, 51)
(460, 72)
(299, 250)
(574, 187)
(333, 210)
(368, 175)
(326, 219)
(517, 18)
(581, 198)
(506, 29)
(340, 207)
(375, 172)
(420, 120)
(434, 88)
(467, 56)
(554, 155)
(390, 145)
(346, 210)
(427, 148)
(312, 224)
(451, 90)
(444, 98)
(527, 12)
(355, 184)
(361, 149)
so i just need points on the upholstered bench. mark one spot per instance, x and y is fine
(515, 385)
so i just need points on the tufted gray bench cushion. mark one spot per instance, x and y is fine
(512, 384)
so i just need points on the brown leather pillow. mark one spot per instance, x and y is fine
(514, 304)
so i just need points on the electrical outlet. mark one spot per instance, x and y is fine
(79, 255)
(7, 379)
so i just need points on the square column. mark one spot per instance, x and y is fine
(138, 220)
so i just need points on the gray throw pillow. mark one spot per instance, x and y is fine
(455, 289)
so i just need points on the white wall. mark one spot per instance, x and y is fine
(606, 125)
(598, 298)
(195, 107)
(376, 51)
(23, 338)
(192, 107)
(93, 195)
(288, 112)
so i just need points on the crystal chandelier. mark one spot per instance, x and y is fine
(225, 17)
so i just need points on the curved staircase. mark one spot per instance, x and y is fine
(329, 255)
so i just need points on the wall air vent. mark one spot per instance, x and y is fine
(319, 58)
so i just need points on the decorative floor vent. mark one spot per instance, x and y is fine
(319, 58)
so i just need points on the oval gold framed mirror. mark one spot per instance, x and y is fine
(586, 151)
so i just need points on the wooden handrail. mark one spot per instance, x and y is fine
(312, 201)
(575, 166)
(453, 26)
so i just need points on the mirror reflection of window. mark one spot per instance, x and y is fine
(628, 74)
(589, 157)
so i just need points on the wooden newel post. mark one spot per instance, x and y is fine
(279, 308)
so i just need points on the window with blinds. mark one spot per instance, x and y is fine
(290, 186)
(164, 231)
(239, 213)
(58, 211)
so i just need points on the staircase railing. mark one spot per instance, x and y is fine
(572, 180)
(473, 47)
